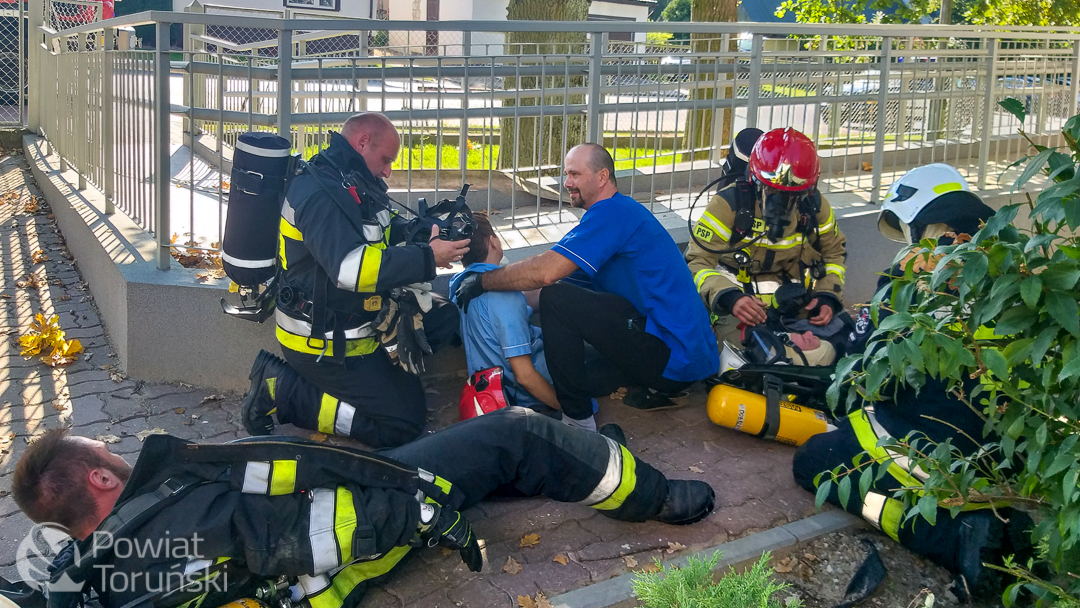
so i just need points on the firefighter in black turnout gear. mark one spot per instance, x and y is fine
(930, 202)
(354, 312)
(313, 523)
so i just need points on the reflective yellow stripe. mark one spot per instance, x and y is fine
(884, 513)
(327, 413)
(369, 269)
(353, 348)
(626, 485)
(836, 269)
(281, 253)
(344, 523)
(829, 224)
(710, 220)
(290, 231)
(700, 277)
(788, 243)
(283, 478)
(271, 387)
(350, 576)
(949, 187)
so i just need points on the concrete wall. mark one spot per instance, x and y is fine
(165, 326)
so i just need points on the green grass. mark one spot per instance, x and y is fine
(692, 587)
(784, 90)
(483, 157)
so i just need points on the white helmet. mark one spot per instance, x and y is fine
(932, 194)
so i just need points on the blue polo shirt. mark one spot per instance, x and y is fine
(624, 249)
(497, 328)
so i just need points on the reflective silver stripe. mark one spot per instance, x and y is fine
(425, 475)
(872, 507)
(256, 478)
(372, 234)
(288, 213)
(384, 218)
(247, 263)
(324, 549)
(611, 479)
(343, 421)
(310, 585)
(303, 328)
(349, 273)
(197, 565)
(264, 152)
(900, 459)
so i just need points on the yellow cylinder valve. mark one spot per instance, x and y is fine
(748, 412)
(245, 602)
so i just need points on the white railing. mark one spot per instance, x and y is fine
(482, 102)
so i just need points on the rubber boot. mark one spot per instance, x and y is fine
(258, 408)
(688, 501)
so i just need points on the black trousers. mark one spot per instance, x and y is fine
(370, 398)
(518, 451)
(571, 317)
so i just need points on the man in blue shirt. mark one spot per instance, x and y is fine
(640, 313)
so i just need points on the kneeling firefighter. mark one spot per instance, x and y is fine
(354, 311)
(766, 227)
(934, 202)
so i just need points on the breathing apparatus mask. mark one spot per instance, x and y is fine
(453, 218)
(776, 208)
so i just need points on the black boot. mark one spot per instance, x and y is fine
(614, 432)
(258, 408)
(980, 540)
(688, 501)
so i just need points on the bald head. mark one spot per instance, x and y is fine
(598, 159)
(374, 137)
(590, 175)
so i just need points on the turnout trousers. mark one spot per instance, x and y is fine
(571, 317)
(368, 397)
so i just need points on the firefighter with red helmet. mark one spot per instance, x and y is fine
(768, 226)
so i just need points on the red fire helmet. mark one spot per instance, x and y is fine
(786, 160)
(482, 394)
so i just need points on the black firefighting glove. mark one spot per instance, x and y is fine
(412, 342)
(451, 530)
(471, 287)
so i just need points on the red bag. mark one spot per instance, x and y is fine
(482, 394)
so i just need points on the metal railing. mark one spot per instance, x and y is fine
(13, 63)
(490, 104)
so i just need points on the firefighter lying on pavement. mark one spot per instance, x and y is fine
(326, 518)
(349, 275)
(616, 282)
(766, 228)
(933, 202)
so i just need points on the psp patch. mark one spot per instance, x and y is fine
(703, 232)
(759, 225)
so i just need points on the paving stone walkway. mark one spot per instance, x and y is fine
(752, 477)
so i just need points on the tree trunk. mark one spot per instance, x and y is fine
(699, 125)
(532, 142)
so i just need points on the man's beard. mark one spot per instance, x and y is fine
(576, 201)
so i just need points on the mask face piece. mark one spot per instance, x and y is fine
(776, 212)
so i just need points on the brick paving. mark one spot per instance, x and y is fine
(752, 477)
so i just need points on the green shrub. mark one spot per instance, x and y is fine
(692, 586)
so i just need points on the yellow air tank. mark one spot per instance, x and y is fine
(750, 413)
(245, 602)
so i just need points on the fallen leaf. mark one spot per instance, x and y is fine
(867, 166)
(32, 205)
(511, 566)
(650, 568)
(810, 557)
(29, 281)
(6, 296)
(631, 563)
(115, 377)
(447, 551)
(530, 540)
(39, 256)
(214, 273)
(561, 558)
(542, 601)
(696, 469)
(525, 601)
(179, 410)
(59, 407)
(63, 297)
(210, 398)
(786, 565)
(142, 435)
(673, 547)
(108, 438)
(320, 437)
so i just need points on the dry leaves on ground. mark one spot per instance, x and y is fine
(867, 166)
(190, 256)
(650, 568)
(46, 339)
(108, 438)
(142, 435)
(786, 565)
(213, 273)
(539, 601)
(631, 563)
(696, 469)
(674, 546)
(619, 394)
(29, 281)
(10, 197)
(530, 540)
(211, 398)
(511, 566)
(179, 410)
(39, 256)
(320, 437)
(32, 205)
(561, 558)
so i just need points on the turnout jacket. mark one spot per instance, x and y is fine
(326, 517)
(347, 243)
(715, 275)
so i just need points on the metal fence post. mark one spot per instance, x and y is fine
(595, 134)
(754, 94)
(196, 82)
(1040, 110)
(988, 109)
(34, 50)
(463, 129)
(362, 84)
(108, 108)
(1074, 80)
(882, 115)
(162, 170)
(284, 84)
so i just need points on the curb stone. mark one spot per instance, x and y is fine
(617, 592)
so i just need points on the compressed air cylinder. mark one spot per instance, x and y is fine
(249, 246)
(748, 412)
(245, 602)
